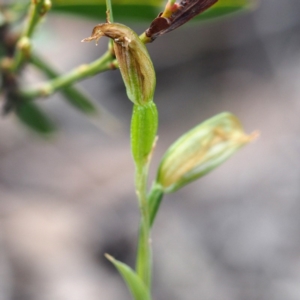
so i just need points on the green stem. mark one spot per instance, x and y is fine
(37, 10)
(109, 19)
(63, 81)
(144, 124)
(144, 255)
(73, 94)
(109, 11)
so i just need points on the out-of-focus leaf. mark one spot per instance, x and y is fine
(225, 7)
(34, 118)
(135, 284)
(134, 10)
(145, 10)
(79, 100)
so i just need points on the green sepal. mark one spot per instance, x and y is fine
(144, 124)
(29, 114)
(134, 283)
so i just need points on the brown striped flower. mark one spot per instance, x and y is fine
(176, 15)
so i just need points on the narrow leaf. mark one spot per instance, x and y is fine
(134, 283)
(79, 100)
(154, 200)
(138, 11)
(34, 118)
(146, 10)
(226, 7)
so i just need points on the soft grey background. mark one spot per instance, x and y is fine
(233, 235)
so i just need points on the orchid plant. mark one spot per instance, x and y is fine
(193, 155)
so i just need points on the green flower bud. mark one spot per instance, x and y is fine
(143, 132)
(134, 61)
(201, 150)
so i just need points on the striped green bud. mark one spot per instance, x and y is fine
(201, 150)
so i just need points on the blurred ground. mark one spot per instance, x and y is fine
(233, 235)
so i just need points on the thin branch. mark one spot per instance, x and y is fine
(109, 12)
(37, 10)
(73, 94)
(102, 64)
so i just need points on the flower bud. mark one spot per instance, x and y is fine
(172, 17)
(201, 150)
(144, 124)
(134, 61)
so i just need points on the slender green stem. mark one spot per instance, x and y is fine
(73, 94)
(76, 97)
(109, 11)
(37, 10)
(144, 124)
(109, 19)
(144, 255)
(168, 9)
(63, 81)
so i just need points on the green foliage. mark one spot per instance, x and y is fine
(224, 8)
(192, 156)
(145, 10)
(34, 118)
(136, 286)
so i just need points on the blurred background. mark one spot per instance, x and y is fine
(232, 235)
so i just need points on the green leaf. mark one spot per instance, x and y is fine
(145, 10)
(143, 132)
(34, 118)
(79, 100)
(133, 281)
(133, 10)
(226, 7)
